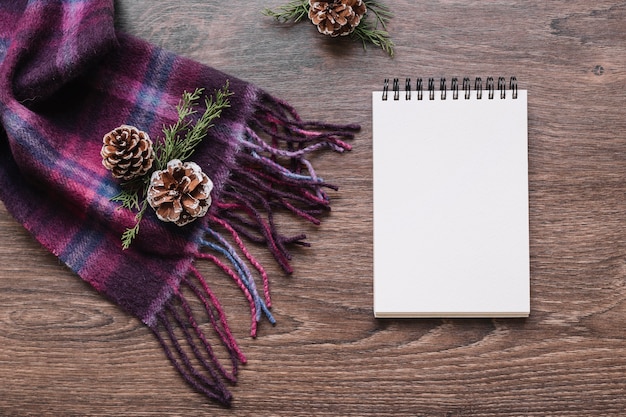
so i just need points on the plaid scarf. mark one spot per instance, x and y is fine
(67, 78)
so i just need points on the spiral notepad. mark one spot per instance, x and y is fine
(451, 199)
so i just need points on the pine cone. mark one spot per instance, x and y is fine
(127, 152)
(180, 193)
(336, 17)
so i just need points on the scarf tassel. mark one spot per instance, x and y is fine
(272, 173)
(195, 359)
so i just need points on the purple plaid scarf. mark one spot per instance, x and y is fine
(67, 79)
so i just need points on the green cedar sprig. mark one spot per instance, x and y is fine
(367, 32)
(179, 142)
(293, 11)
(182, 137)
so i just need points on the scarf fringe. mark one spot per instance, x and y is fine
(239, 271)
(272, 173)
(185, 344)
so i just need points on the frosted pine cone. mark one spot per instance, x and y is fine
(336, 17)
(180, 193)
(127, 152)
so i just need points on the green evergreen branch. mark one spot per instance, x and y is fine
(213, 110)
(179, 142)
(181, 139)
(293, 11)
(369, 33)
(374, 36)
(166, 149)
(382, 13)
(129, 200)
(129, 234)
(296, 10)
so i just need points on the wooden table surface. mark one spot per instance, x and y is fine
(64, 350)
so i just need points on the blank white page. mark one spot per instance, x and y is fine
(451, 206)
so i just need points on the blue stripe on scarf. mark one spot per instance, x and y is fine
(46, 153)
(81, 247)
(4, 47)
(83, 243)
(150, 94)
(29, 137)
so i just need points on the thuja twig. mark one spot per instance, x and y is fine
(182, 137)
(293, 11)
(179, 142)
(376, 33)
(372, 34)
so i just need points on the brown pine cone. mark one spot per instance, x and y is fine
(336, 17)
(180, 193)
(127, 152)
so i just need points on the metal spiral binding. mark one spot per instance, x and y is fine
(454, 86)
(478, 86)
(396, 89)
(385, 88)
(466, 86)
(407, 88)
(502, 87)
(513, 86)
(490, 87)
(431, 88)
(442, 88)
(419, 88)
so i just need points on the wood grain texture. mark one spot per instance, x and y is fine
(64, 350)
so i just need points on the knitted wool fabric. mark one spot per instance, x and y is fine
(66, 79)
